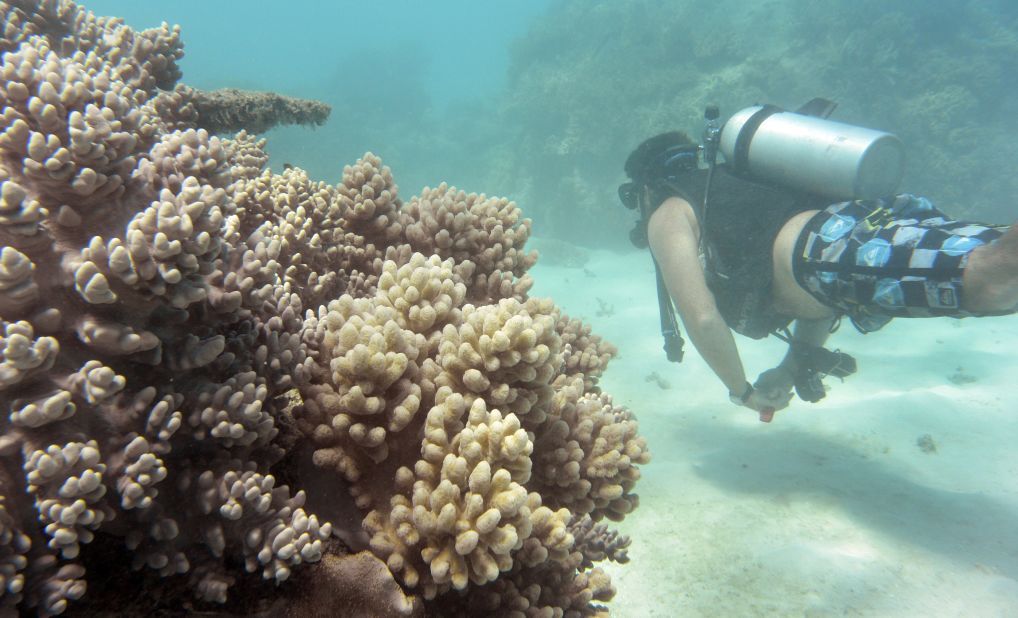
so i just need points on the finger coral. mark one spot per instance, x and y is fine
(215, 376)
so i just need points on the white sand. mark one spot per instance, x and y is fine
(832, 509)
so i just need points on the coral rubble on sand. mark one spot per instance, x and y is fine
(181, 329)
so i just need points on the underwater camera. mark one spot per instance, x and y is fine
(815, 362)
(803, 150)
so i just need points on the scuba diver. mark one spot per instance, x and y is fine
(800, 222)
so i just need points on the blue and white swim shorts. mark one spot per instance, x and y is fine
(875, 260)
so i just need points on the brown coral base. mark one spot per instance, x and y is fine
(341, 584)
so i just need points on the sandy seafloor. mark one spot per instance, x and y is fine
(833, 509)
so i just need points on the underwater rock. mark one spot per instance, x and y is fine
(926, 444)
(961, 377)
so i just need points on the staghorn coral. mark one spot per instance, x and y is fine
(203, 362)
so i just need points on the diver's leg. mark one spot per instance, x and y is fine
(990, 279)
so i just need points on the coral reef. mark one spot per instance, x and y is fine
(219, 377)
(229, 110)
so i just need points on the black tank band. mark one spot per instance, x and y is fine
(742, 141)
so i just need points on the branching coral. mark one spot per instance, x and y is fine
(588, 454)
(561, 586)
(185, 336)
(506, 354)
(485, 237)
(584, 353)
(495, 386)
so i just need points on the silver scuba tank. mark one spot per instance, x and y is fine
(813, 154)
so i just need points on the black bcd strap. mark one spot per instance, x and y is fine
(669, 325)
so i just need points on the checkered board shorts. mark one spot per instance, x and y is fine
(875, 260)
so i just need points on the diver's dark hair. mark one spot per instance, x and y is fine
(641, 162)
(653, 167)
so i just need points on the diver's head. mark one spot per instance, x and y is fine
(662, 158)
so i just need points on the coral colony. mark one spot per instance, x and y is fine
(207, 367)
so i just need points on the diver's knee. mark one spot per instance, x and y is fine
(991, 298)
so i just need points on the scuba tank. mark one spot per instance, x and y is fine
(805, 151)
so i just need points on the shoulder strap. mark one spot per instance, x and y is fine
(666, 311)
(669, 326)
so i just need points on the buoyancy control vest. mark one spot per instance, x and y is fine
(739, 229)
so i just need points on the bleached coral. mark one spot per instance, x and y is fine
(507, 354)
(485, 236)
(469, 509)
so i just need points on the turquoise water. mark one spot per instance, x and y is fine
(895, 495)
(541, 101)
(452, 46)
(400, 75)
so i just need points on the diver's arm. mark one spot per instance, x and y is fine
(674, 245)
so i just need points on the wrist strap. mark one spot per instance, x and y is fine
(747, 392)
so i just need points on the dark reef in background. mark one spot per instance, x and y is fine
(591, 81)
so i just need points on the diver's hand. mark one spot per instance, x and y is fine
(767, 404)
(775, 383)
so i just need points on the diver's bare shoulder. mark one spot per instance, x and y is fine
(674, 240)
(677, 210)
